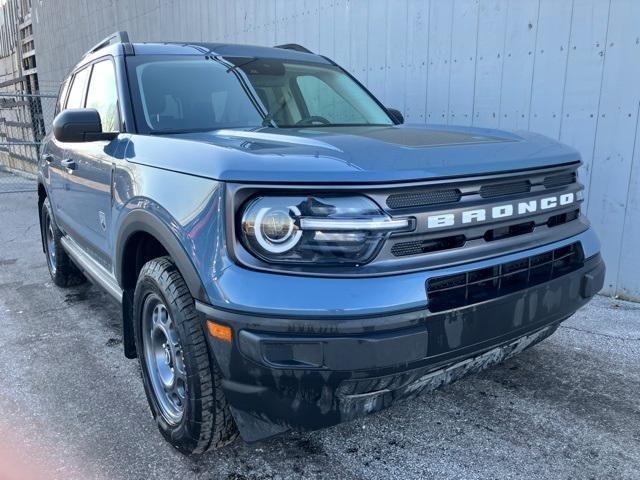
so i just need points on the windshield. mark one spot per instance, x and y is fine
(173, 94)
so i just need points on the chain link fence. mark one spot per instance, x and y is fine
(25, 119)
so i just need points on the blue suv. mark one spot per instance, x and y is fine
(287, 253)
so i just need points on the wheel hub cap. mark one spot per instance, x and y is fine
(164, 359)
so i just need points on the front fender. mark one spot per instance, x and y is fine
(141, 220)
(185, 213)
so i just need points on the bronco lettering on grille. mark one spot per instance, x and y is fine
(500, 211)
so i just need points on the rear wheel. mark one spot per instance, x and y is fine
(181, 380)
(63, 271)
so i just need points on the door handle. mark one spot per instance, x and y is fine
(47, 157)
(69, 163)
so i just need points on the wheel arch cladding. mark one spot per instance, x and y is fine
(141, 229)
(143, 223)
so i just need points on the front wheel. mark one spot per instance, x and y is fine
(181, 380)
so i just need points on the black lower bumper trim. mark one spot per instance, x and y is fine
(307, 374)
(348, 353)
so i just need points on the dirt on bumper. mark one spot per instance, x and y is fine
(270, 393)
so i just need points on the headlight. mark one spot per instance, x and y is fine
(316, 229)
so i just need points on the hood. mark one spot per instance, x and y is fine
(372, 154)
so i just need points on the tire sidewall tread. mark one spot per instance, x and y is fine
(206, 422)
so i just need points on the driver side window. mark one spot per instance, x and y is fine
(103, 96)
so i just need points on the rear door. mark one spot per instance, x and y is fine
(89, 180)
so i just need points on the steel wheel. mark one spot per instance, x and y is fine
(164, 359)
(182, 383)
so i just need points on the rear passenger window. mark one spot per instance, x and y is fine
(76, 94)
(103, 96)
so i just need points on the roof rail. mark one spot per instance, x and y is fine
(294, 46)
(116, 37)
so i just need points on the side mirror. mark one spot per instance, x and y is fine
(396, 115)
(80, 125)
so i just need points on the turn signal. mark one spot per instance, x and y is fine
(221, 332)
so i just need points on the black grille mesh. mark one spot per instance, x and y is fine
(462, 289)
(416, 247)
(502, 189)
(425, 198)
(421, 198)
(559, 180)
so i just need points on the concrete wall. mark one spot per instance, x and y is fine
(569, 69)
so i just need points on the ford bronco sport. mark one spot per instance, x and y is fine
(288, 254)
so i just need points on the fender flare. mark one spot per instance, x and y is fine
(140, 220)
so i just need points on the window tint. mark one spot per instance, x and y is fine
(185, 95)
(76, 94)
(102, 95)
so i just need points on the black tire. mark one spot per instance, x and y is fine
(205, 421)
(63, 271)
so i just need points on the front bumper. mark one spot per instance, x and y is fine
(308, 373)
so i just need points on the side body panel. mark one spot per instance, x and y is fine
(87, 202)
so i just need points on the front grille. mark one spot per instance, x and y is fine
(437, 211)
(462, 289)
(422, 198)
(503, 189)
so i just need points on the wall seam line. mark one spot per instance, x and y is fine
(533, 68)
(595, 133)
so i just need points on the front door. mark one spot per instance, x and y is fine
(90, 167)
(56, 156)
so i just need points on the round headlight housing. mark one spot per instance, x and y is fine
(275, 230)
(315, 229)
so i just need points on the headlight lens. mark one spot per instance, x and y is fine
(274, 228)
(315, 229)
